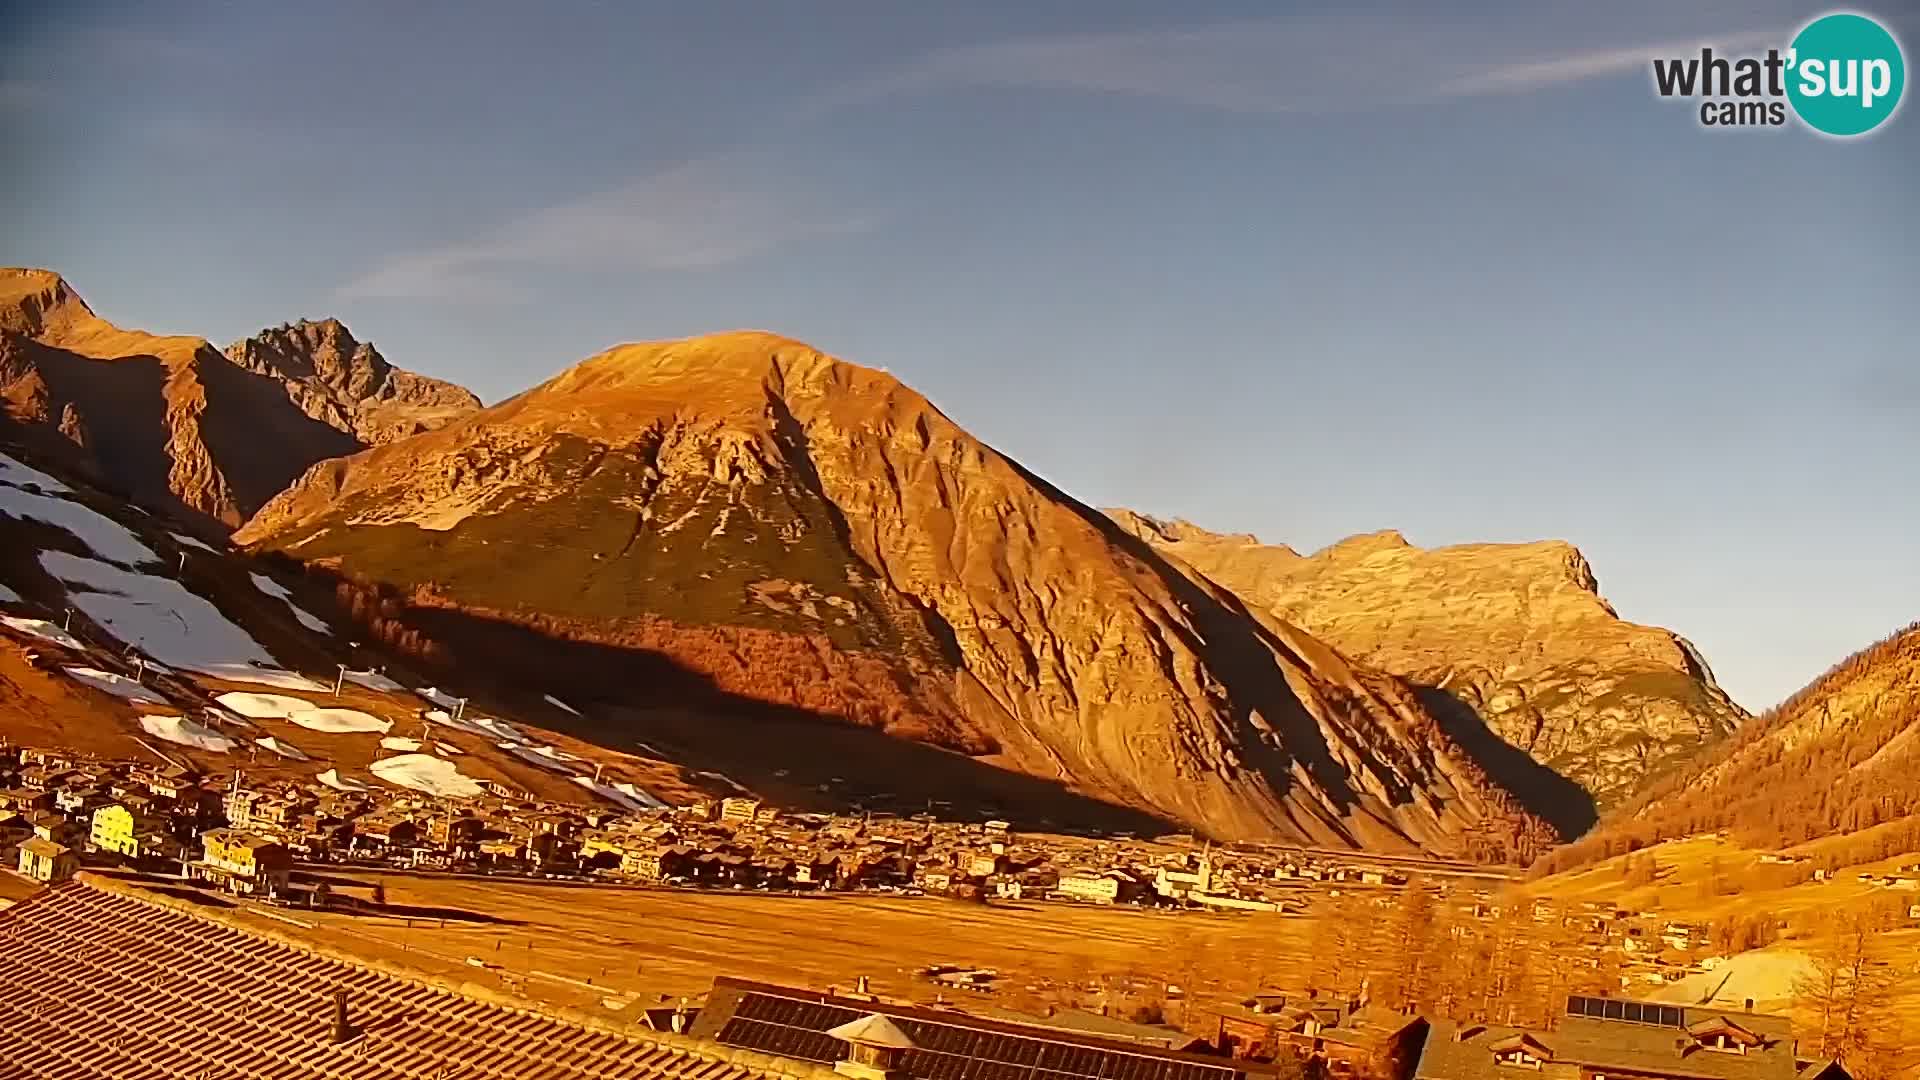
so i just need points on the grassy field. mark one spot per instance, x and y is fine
(659, 944)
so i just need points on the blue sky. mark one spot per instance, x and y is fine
(1294, 270)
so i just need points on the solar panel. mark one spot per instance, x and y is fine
(1633, 1012)
(791, 1027)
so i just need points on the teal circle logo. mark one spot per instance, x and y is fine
(1845, 74)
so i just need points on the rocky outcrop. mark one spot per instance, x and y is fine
(815, 534)
(167, 421)
(346, 384)
(1516, 634)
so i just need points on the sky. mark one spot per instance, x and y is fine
(1303, 271)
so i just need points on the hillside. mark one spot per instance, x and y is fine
(122, 637)
(173, 424)
(1841, 756)
(347, 384)
(1513, 636)
(796, 531)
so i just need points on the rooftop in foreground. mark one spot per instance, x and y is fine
(101, 983)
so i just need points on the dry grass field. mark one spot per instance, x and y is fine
(660, 944)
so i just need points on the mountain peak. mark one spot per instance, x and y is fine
(33, 300)
(347, 384)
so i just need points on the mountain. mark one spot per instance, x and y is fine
(792, 530)
(166, 421)
(347, 384)
(176, 425)
(1840, 756)
(1517, 635)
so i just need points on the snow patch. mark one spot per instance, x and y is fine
(18, 475)
(435, 695)
(191, 542)
(265, 706)
(260, 676)
(399, 742)
(160, 616)
(179, 729)
(373, 680)
(308, 619)
(558, 704)
(118, 685)
(280, 592)
(284, 749)
(727, 780)
(45, 631)
(8, 596)
(449, 749)
(424, 772)
(106, 537)
(546, 757)
(485, 726)
(621, 794)
(269, 586)
(334, 780)
(340, 721)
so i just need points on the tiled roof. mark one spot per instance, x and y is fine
(795, 1023)
(102, 984)
(1465, 1052)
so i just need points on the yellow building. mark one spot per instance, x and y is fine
(244, 862)
(119, 830)
(113, 830)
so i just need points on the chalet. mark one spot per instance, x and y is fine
(1616, 1037)
(44, 860)
(737, 809)
(243, 862)
(1336, 1036)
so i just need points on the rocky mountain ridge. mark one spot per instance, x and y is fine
(1517, 635)
(347, 384)
(816, 535)
(173, 423)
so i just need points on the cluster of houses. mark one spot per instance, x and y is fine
(57, 807)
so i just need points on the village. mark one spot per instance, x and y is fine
(59, 810)
(271, 843)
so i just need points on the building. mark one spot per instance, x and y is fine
(738, 810)
(947, 1044)
(44, 860)
(1101, 887)
(101, 980)
(244, 862)
(1616, 1037)
(1344, 1036)
(118, 830)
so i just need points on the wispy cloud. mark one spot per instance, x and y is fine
(697, 215)
(1309, 63)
